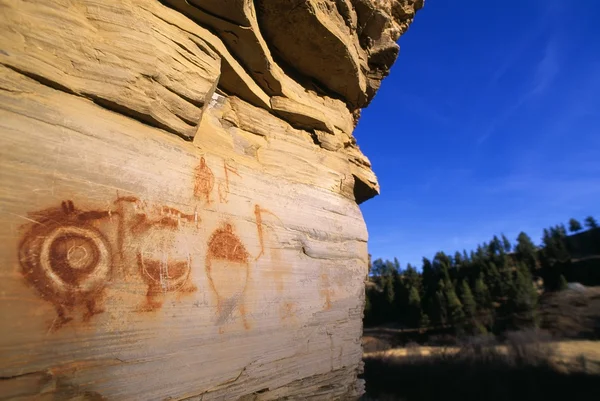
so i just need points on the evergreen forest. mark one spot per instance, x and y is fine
(493, 288)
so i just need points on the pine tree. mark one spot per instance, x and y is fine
(412, 277)
(414, 307)
(378, 267)
(414, 299)
(555, 256)
(494, 246)
(506, 281)
(526, 251)
(441, 265)
(429, 277)
(458, 260)
(439, 308)
(468, 301)
(390, 267)
(506, 244)
(412, 302)
(483, 300)
(429, 287)
(523, 300)
(440, 313)
(591, 223)
(455, 308)
(481, 252)
(400, 298)
(574, 226)
(388, 289)
(562, 231)
(493, 279)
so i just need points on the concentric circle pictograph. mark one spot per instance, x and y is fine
(75, 259)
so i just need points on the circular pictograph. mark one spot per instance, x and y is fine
(164, 259)
(75, 258)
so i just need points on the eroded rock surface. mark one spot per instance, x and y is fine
(179, 188)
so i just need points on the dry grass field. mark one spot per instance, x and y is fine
(559, 362)
(520, 368)
(570, 355)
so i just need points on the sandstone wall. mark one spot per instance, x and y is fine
(178, 194)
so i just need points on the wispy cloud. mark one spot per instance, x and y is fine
(513, 57)
(417, 105)
(500, 119)
(546, 71)
(544, 75)
(549, 190)
(552, 9)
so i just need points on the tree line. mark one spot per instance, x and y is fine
(491, 289)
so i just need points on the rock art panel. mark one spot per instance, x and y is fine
(204, 181)
(70, 256)
(224, 185)
(277, 267)
(164, 257)
(288, 312)
(67, 256)
(326, 291)
(67, 260)
(258, 211)
(228, 268)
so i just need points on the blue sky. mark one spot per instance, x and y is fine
(489, 123)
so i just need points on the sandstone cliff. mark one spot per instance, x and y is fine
(179, 189)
